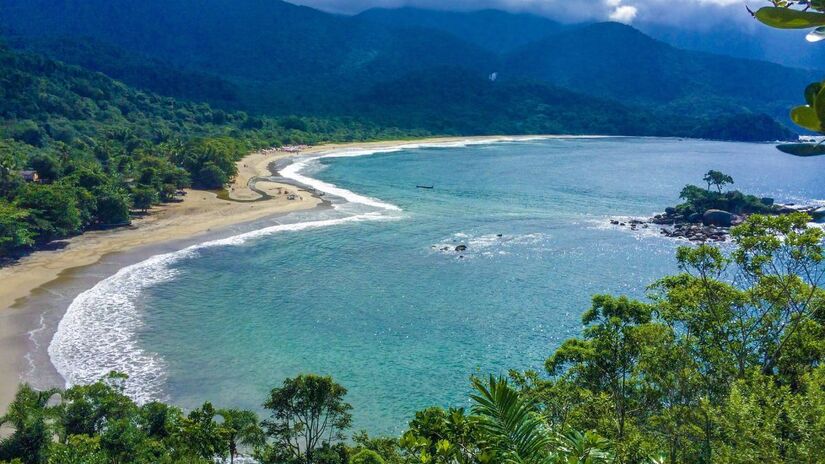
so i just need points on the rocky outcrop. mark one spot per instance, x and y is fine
(696, 232)
(717, 217)
(712, 226)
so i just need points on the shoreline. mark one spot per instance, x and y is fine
(27, 283)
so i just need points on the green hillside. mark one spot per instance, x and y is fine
(494, 30)
(612, 60)
(103, 150)
(273, 57)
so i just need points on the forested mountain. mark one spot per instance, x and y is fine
(272, 57)
(132, 68)
(613, 60)
(279, 48)
(103, 150)
(493, 30)
(751, 41)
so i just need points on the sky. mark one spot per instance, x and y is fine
(688, 13)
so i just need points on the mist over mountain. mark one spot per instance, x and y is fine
(752, 41)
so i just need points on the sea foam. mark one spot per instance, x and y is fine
(98, 333)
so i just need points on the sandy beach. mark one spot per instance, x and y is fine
(199, 213)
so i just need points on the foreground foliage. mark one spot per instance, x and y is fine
(784, 14)
(722, 363)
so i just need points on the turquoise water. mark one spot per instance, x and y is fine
(379, 306)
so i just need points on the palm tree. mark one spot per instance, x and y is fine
(29, 403)
(241, 428)
(29, 415)
(517, 433)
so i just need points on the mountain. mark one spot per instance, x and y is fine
(263, 41)
(272, 57)
(613, 60)
(751, 41)
(135, 69)
(493, 30)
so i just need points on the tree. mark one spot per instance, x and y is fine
(10, 180)
(704, 370)
(14, 228)
(240, 428)
(515, 433)
(717, 179)
(53, 210)
(112, 207)
(79, 449)
(199, 436)
(367, 457)
(210, 176)
(30, 415)
(143, 198)
(306, 412)
(605, 359)
(442, 436)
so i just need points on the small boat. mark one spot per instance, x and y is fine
(424, 186)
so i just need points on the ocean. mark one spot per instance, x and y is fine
(373, 292)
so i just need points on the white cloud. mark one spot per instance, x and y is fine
(623, 14)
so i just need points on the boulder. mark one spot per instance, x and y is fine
(767, 201)
(670, 210)
(695, 218)
(461, 248)
(717, 217)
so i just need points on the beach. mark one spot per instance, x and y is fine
(198, 214)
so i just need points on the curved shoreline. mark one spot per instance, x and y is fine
(37, 273)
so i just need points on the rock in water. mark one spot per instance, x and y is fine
(461, 248)
(717, 217)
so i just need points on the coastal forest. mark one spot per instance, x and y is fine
(115, 110)
(110, 107)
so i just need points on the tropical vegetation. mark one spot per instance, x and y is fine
(103, 152)
(722, 362)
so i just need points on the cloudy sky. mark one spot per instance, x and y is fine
(689, 13)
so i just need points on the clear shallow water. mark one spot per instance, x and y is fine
(377, 304)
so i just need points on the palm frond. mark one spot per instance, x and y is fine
(512, 424)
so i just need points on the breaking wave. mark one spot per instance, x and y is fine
(98, 333)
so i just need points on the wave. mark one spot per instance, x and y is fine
(98, 333)
(490, 245)
(293, 171)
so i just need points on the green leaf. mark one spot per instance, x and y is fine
(811, 91)
(786, 18)
(802, 149)
(819, 105)
(806, 117)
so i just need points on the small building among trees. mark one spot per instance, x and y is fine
(30, 175)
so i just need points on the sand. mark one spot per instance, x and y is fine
(199, 213)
